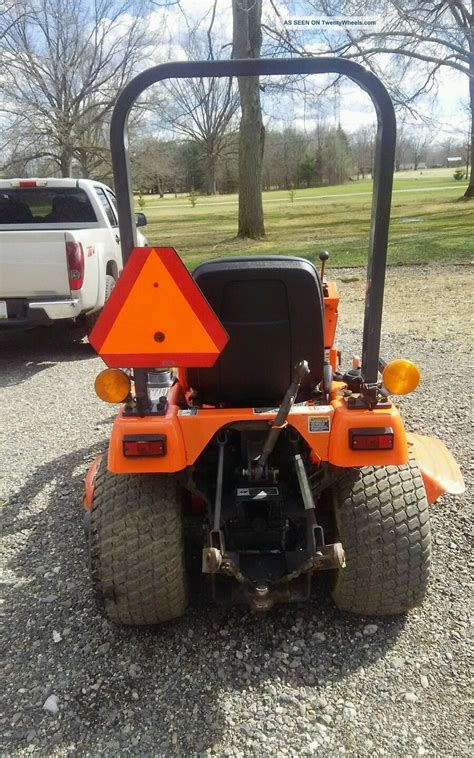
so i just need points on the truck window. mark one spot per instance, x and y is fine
(109, 210)
(112, 201)
(49, 205)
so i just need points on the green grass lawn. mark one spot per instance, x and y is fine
(429, 222)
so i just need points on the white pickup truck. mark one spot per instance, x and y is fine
(59, 251)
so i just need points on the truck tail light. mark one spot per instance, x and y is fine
(75, 264)
(28, 183)
(372, 438)
(144, 445)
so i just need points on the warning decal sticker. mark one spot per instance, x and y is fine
(319, 424)
(298, 408)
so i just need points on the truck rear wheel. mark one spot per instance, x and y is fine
(383, 521)
(91, 318)
(136, 547)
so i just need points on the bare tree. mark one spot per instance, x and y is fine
(201, 109)
(247, 43)
(153, 164)
(9, 13)
(64, 62)
(402, 148)
(435, 36)
(363, 147)
(418, 142)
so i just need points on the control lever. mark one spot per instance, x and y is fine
(299, 372)
(323, 256)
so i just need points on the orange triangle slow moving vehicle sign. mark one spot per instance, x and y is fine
(156, 316)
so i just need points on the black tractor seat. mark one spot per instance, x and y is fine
(272, 309)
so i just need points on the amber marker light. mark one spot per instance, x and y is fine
(401, 377)
(112, 385)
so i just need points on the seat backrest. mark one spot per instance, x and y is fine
(272, 309)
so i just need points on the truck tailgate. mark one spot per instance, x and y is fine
(33, 264)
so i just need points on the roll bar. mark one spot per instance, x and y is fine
(383, 163)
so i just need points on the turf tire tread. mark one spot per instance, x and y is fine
(136, 547)
(382, 516)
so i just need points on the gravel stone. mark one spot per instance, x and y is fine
(349, 713)
(51, 704)
(397, 663)
(50, 599)
(194, 693)
(325, 719)
(370, 629)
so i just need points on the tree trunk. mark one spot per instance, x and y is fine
(211, 166)
(469, 194)
(247, 42)
(82, 156)
(65, 162)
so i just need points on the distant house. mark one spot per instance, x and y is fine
(454, 162)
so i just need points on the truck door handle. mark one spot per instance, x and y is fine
(117, 239)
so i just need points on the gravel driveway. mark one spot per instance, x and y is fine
(299, 681)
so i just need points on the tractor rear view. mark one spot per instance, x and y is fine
(240, 437)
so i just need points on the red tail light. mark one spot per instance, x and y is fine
(372, 438)
(29, 183)
(75, 264)
(143, 445)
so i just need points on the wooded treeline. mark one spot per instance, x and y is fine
(293, 159)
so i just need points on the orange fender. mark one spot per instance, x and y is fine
(437, 466)
(89, 482)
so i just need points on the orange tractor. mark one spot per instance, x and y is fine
(259, 452)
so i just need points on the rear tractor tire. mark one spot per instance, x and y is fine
(136, 547)
(382, 516)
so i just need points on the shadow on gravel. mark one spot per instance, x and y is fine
(24, 354)
(149, 691)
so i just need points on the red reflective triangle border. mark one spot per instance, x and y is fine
(188, 288)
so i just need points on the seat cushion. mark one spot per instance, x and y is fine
(272, 309)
